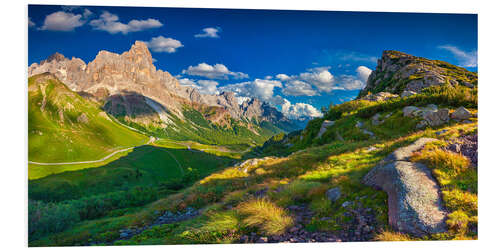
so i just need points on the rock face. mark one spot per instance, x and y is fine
(133, 73)
(404, 74)
(415, 205)
(326, 124)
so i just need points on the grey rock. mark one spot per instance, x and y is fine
(333, 194)
(407, 93)
(461, 114)
(409, 111)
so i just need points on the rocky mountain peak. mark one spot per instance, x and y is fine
(57, 57)
(397, 72)
(139, 53)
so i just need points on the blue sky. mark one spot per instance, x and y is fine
(296, 60)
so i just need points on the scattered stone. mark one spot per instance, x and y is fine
(467, 146)
(333, 194)
(371, 148)
(408, 111)
(441, 132)
(380, 96)
(407, 93)
(461, 114)
(415, 206)
(326, 124)
(346, 204)
(376, 120)
(82, 118)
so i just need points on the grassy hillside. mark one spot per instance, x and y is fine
(64, 127)
(281, 195)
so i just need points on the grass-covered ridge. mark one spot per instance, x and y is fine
(64, 127)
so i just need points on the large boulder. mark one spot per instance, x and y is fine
(461, 114)
(407, 93)
(415, 205)
(326, 124)
(436, 118)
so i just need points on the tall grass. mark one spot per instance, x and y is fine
(266, 216)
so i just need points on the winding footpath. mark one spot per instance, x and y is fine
(151, 140)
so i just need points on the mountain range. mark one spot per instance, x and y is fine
(129, 87)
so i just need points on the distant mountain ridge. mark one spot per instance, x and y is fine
(131, 87)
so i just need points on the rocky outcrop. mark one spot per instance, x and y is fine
(404, 74)
(324, 126)
(380, 96)
(430, 115)
(415, 205)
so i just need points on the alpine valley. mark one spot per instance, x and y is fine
(120, 153)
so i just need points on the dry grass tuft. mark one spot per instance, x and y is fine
(266, 216)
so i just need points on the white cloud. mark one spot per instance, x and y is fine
(208, 87)
(298, 88)
(363, 73)
(259, 88)
(350, 82)
(31, 23)
(87, 13)
(282, 77)
(216, 71)
(299, 110)
(109, 22)
(62, 21)
(268, 77)
(465, 59)
(163, 44)
(209, 32)
(320, 77)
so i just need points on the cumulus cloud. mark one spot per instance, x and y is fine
(209, 32)
(298, 88)
(163, 44)
(208, 87)
(216, 71)
(465, 59)
(321, 78)
(350, 82)
(259, 88)
(299, 110)
(109, 22)
(282, 77)
(363, 73)
(62, 21)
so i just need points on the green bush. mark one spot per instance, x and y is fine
(45, 218)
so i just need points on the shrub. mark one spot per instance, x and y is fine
(45, 218)
(266, 216)
(457, 221)
(296, 191)
(458, 199)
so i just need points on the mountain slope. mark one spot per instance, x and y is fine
(64, 127)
